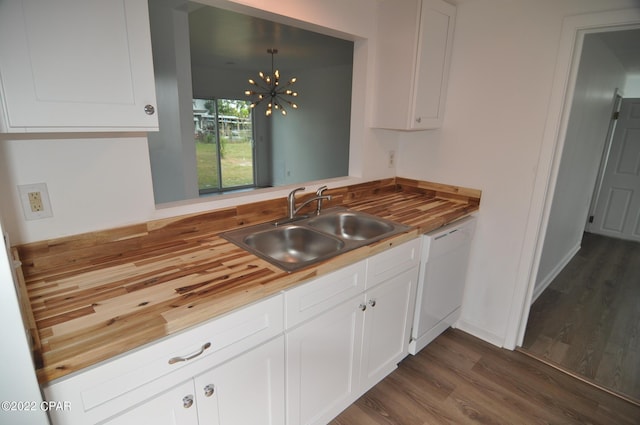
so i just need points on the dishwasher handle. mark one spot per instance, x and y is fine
(450, 238)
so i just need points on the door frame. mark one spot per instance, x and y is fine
(595, 197)
(570, 48)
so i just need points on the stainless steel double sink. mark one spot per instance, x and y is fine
(310, 240)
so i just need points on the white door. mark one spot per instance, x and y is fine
(387, 326)
(617, 211)
(246, 390)
(323, 356)
(173, 407)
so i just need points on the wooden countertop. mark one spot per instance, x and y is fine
(97, 295)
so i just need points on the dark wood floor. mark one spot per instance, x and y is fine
(588, 320)
(459, 379)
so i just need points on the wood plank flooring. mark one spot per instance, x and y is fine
(459, 379)
(588, 320)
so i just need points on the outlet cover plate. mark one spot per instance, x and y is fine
(24, 190)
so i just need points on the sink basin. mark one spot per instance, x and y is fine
(293, 244)
(308, 241)
(350, 225)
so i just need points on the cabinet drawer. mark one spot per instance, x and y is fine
(118, 384)
(392, 262)
(320, 295)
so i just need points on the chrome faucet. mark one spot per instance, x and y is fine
(291, 201)
(319, 196)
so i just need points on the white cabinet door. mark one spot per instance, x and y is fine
(323, 358)
(432, 66)
(387, 327)
(76, 65)
(412, 63)
(246, 390)
(173, 407)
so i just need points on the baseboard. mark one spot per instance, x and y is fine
(544, 283)
(491, 338)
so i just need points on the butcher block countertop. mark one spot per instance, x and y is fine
(93, 296)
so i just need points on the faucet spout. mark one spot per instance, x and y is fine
(308, 201)
(319, 192)
(291, 202)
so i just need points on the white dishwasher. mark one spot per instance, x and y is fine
(443, 272)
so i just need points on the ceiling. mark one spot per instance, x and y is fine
(222, 38)
(626, 46)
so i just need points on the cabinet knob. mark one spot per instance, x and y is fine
(209, 390)
(419, 119)
(187, 401)
(362, 307)
(372, 303)
(149, 109)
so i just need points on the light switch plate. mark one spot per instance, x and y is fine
(35, 201)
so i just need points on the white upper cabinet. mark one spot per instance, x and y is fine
(76, 65)
(412, 63)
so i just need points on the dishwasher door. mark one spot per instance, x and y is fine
(443, 272)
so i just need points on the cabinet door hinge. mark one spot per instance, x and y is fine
(615, 115)
(590, 219)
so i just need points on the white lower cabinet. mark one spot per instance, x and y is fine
(323, 364)
(241, 354)
(387, 327)
(333, 358)
(246, 390)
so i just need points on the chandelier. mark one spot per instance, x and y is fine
(268, 87)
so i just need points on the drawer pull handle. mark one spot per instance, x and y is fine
(193, 356)
(209, 390)
(187, 401)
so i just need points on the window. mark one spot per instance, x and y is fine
(224, 144)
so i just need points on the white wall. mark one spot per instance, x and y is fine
(93, 183)
(600, 74)
(502, 72)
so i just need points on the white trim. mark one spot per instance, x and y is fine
(478, 332)
(570, 47)
(544, 283)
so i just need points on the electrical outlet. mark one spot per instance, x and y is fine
(35, 201)
(392, 159)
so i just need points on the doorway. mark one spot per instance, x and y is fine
(587, 322)
(616, 205)
(561, 329)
